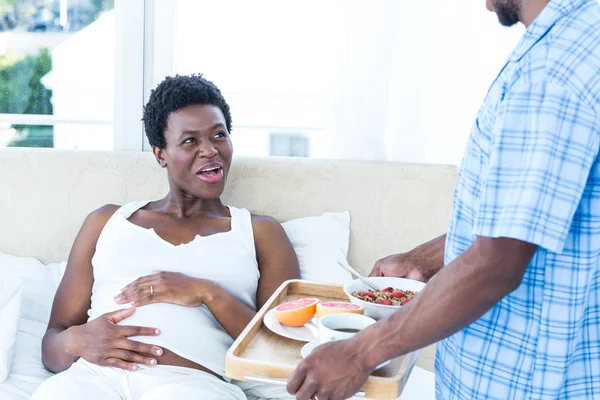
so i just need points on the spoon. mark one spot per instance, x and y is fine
(356, 274)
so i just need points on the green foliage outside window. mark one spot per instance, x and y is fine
(6, 5)
(22, 92)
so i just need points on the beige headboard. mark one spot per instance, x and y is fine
(46, 194)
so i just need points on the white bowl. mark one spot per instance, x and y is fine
(378, 311)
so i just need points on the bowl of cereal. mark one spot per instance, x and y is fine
(393, 293)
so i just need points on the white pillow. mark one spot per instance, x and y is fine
(39, 284)
(11, 296)
(319, 243)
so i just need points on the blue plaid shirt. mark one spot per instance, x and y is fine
(531, 172)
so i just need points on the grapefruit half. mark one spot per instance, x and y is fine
(296, 312)
(333, 307)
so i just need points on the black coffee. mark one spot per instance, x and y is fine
(347, 330)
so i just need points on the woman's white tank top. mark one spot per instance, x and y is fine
(126, 251)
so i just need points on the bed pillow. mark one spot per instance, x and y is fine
(40, 282)
(319, 242)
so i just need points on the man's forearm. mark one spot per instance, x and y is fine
(429, 257)
(463, 292)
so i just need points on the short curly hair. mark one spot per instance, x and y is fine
(174, 93)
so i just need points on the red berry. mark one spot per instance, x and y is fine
(385, 302)
(368, 294)
(388, 289)
(397, 295)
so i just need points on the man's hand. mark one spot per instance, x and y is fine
(398, 265)
(420, 264)
(333, 371)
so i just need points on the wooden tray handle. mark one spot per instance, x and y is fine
(283, 382)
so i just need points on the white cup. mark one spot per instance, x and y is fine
(332, 326)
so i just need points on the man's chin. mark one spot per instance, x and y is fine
(507, 13)
(507, 22)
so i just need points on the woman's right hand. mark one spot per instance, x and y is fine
(103, 342)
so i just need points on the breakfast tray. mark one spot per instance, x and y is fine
(260, 355)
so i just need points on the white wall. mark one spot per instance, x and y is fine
(444, 57)
(468, 49)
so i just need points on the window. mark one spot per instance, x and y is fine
(56, 81)
(289, 145)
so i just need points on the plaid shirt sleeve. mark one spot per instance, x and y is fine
(545, 140)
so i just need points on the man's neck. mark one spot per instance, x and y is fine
(531, 9)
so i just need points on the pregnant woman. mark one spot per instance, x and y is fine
(155, 292)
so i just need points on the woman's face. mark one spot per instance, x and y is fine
(198, 151)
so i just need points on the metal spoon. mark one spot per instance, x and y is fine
(356, 274)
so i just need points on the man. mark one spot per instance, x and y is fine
(517, 306)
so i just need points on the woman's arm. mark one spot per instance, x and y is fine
(73, 297)
(68, 336)
(276, 257)
(277, 262)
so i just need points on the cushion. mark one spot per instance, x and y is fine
(39, 284)
(320, 242)
(11, 295)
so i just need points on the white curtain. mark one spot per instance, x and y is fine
(414, 75)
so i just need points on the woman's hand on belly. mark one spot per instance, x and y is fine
(103, 342)
(167, 287)
(176, 288)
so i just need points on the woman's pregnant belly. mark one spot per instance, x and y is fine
(189, 336)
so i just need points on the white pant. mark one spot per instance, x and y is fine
(84, 380)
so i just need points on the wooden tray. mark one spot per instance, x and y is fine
(260, 355)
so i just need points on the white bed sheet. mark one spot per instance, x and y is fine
(27, 371)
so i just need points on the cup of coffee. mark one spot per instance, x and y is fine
(342, 326)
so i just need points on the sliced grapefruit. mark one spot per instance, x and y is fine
(296, 312)
(333, 307)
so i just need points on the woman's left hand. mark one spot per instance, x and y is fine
(166, 287)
